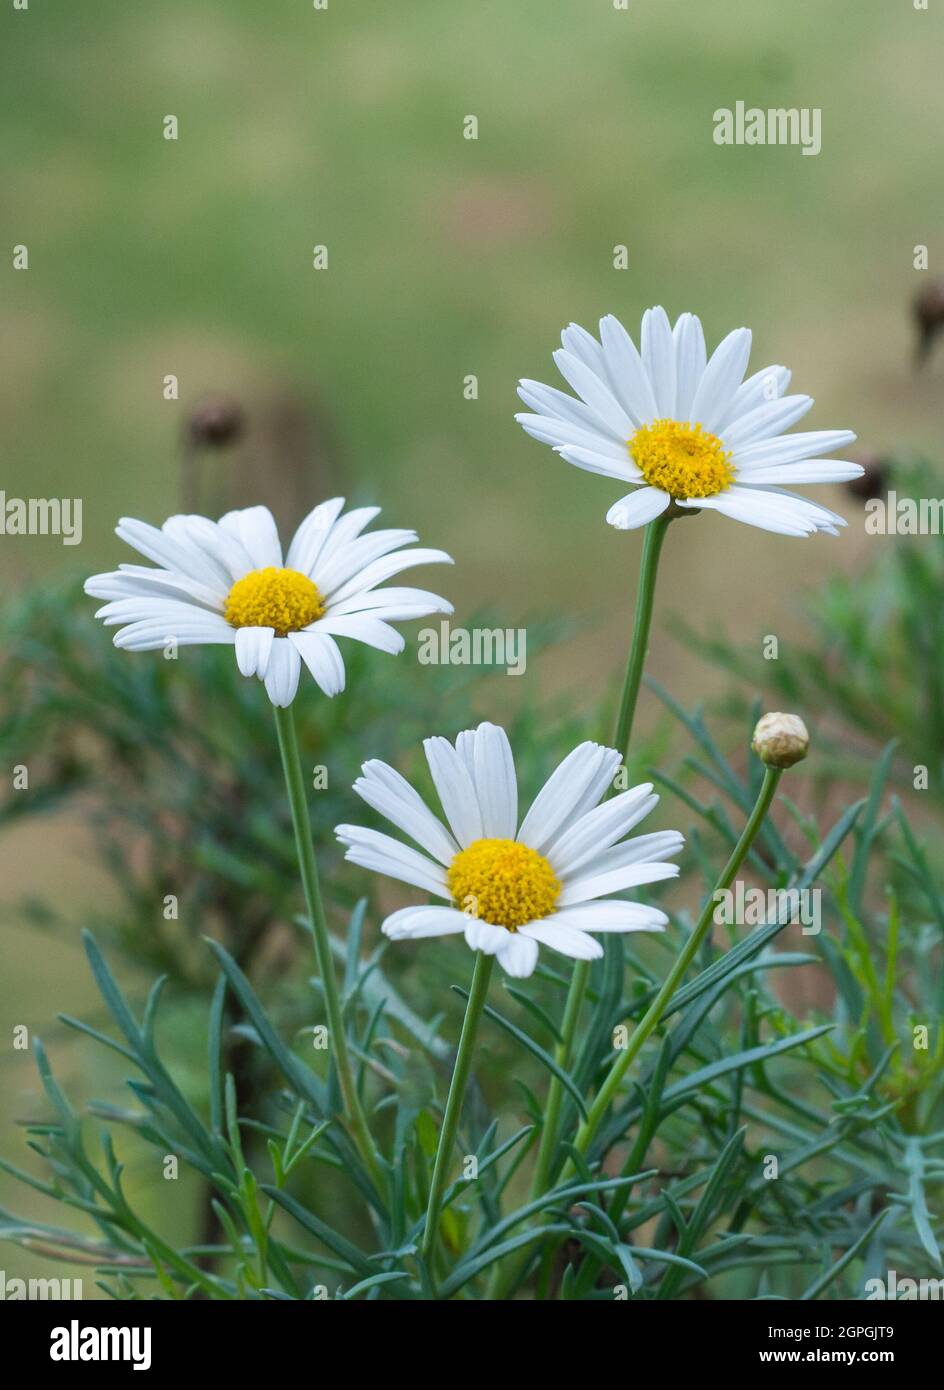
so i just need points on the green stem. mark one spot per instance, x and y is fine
(506, 1272)
(298, 801)
(657, 1008)
(653, 1014)
(460, 1076)
(555, 1092)
(642, 623)
(645, 594)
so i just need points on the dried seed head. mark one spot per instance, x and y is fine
(780, 740)
(929, 317)
(216, 422)
(873, 482)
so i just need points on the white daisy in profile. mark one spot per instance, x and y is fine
(507, 887)
(226, 581)
(683, 428)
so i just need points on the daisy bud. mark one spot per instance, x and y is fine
(216, 422)
(780, 740)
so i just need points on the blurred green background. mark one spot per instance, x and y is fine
(447, 257)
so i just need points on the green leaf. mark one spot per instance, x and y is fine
(535, 1010)
(102, 1038)
(112, 994)
(706, 1208)
(328, 1236)
(468, 1269)
(373, 1282)
(914, 1164)
(303, 1080)
(865, 832)
(696, 1080)
(835, 1270)
(565, 1196)
(215, 1055)
(355, 928)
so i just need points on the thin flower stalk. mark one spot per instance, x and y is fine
(645, 598)
(457, 1087)
(653, 1015)
(308, 868)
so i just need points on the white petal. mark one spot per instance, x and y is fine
(808, 471)
(178, 556)
(584, 347)
(563, 938)
(378, 572)
(595, 885)
(412, 923)
(638, 508)
(152, 634)
(372, 631)
(769, 384)
(393, 604)
(487, 754)
(572, 788)
(231, 559)
(345, 529)
(255, 529)
(762, 505)
(596, 788)
(624, 469)
(557, 433)
(483, 936)
(600, 828)
(139, 581)
(751, 507)
(765, 421)
(386, 791)
(321, 655)
(547, 400)
(658, 355)
(455, 789)
(595, 392)
(253, 647)
(282, 672)
(660, 845)
(518, 956)
(793, 448)
(153, 622)
(626, 372)
(721, 379)
(374, 850)
(348, 560)
(690, 361)
(311, 535)
(612, 915)
(821, 517)
(156, 608)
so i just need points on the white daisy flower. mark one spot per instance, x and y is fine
(682, 428)
(227, 581)
(508, 888)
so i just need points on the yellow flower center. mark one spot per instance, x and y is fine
(283, 599)
(681, 459)
(502, 882)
